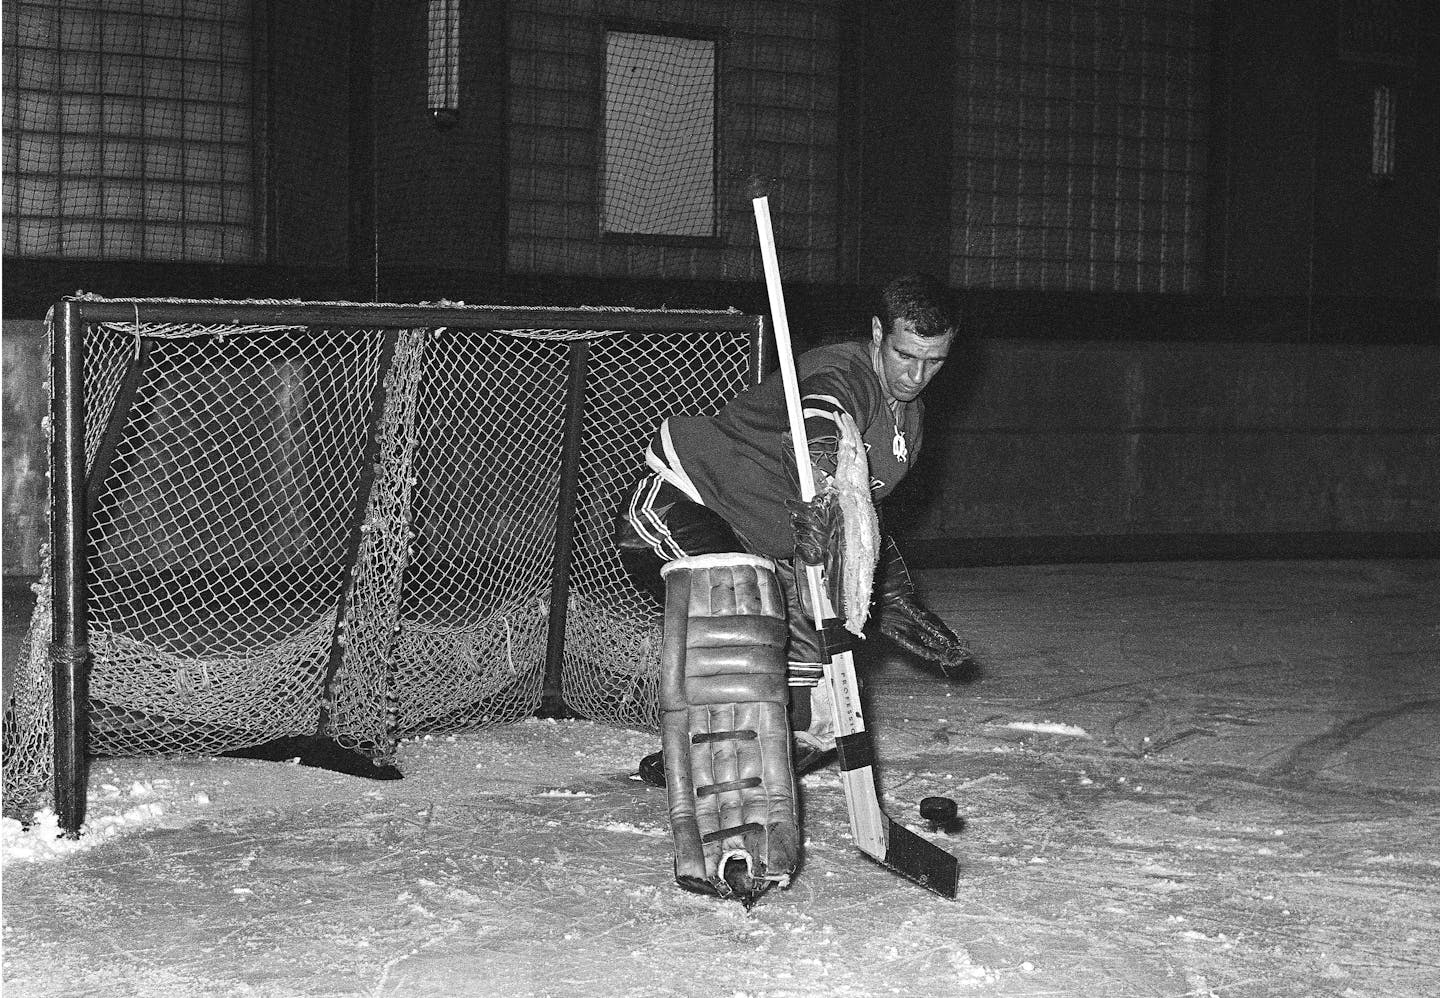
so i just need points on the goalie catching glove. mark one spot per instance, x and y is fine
(907, 622)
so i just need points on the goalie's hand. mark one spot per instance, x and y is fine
(905, 621)
(817, 525)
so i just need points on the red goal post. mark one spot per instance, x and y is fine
(364, 521)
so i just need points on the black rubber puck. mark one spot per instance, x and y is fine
(940, 810)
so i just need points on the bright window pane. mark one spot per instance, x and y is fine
(659, 135)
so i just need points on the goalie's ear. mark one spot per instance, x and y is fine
(877, 330)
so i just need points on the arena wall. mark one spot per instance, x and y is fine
(1044, 450)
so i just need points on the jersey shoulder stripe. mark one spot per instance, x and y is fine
(665, 462)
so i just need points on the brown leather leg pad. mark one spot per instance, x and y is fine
(724, 726)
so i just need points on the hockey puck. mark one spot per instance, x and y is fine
(939, 811)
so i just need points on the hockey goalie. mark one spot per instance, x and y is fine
(724, 688)
(744, 700)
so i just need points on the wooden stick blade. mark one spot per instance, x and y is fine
(917, 858)
(876, 834)
(885, 840)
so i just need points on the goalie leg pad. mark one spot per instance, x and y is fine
(724, 726)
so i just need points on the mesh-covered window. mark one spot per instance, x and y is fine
(777, 71)
(1080, 144)
(129, 130)
(443, 70)
(659, 135)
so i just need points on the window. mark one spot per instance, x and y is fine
(1081, 146)
(129, 130)
(659, 172)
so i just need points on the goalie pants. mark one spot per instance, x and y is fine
(656, 523)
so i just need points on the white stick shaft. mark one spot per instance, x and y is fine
(783, 348)
(867, 822)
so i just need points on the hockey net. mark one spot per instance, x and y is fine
(344, 519)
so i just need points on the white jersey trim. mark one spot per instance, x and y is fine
(648, 524)
(816, 397)
(669, 467)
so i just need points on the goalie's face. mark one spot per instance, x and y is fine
(907, 361)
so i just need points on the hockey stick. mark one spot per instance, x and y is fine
(875, 833)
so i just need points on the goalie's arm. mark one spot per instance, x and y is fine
(816, 523)
(823, 406)
(827, 399)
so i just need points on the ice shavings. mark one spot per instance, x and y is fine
(625, 826)
(43, 840)
(111, 810)
(1048, 728)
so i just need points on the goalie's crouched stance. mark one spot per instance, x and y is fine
(724, 727)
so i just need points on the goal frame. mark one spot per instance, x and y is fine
(72, 484)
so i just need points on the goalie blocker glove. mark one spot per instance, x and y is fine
(907, 622)
(724, 727)
(819, 528)
(816, 524)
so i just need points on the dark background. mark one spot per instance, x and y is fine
(1283, 403)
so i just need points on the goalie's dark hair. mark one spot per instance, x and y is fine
(923, 300)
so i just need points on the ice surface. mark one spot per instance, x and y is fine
(1177, 779)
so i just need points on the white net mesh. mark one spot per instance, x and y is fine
(351, 528)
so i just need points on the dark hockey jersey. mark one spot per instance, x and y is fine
(740, 463)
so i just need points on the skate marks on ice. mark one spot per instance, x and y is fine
(514, 862)
(1141, 878)
(1253, 891)
(1253, 743)
(1328, 750)
(1103, 874)
(523, 861)
(1284, 670)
